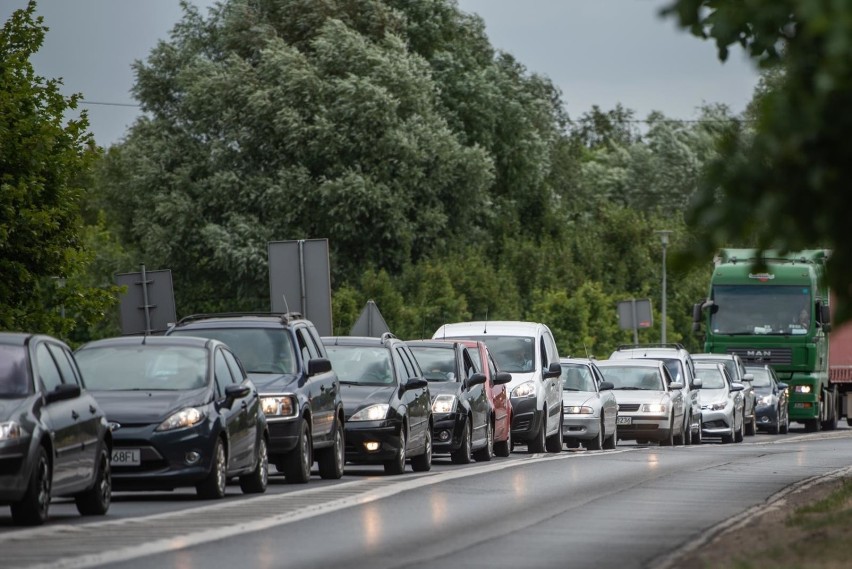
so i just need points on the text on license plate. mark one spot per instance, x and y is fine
(126, 457)
(623, 420)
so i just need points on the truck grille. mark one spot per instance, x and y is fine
(770, 356)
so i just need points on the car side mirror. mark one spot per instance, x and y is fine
(696, 383)
(502, 377)
(317, 366)
(606, 386)
(783, 386)
(63, 392)
(234, 392)
(748, 377)
(415, 383)
(675, 385)
(476, 379)
(553, 370)
(737, 386)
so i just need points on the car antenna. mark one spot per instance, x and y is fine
(485, 328)
(588, 357)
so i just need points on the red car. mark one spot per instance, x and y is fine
(498, 394)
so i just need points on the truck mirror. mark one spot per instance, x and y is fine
(696, 315)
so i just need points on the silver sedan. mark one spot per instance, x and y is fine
(721, 403)
(589, 410)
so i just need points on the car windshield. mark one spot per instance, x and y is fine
(438, 364)
(633, 378)
(514, 354)
(261, 350)
(711, 377)
(143, 368)
(14, 376)
(761, 309)
(577, 377)
(761, 377)
(361, 364)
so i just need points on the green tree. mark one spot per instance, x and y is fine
(782, 182)
(44, 163)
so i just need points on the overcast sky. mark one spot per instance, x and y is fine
(598, 52)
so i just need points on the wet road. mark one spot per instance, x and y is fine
(625, 508)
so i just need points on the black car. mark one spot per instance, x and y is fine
(386, 401)
(300, 394)
(54, 439)
(463, 416)
(182, 413)
(771, 408)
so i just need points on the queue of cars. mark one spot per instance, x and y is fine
(221, 397)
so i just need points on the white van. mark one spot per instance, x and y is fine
(527, 351)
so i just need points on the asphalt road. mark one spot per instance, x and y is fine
(627, 508)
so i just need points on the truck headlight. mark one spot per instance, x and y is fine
(444, 404)
(802, 389)
(526, 389)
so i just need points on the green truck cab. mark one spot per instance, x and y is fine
(778, 316)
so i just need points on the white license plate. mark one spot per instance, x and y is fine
(624, 420)
(126, 457)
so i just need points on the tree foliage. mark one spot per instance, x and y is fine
(45, 162)
(781, 182)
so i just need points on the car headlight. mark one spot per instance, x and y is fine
(184, 418)
(577, 410)
(802, 389)
(715, 406)
(526, 389)
(278, 405)
(766, 400)
(444, 404)
(655, 408)
(372, 413)
(10, 431)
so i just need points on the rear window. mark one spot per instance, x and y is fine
(14, 374)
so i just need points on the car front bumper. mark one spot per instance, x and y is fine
(447, 432)
(767, 416)
(526, 418)
(15, 469)
(716, 423)
(644, 427)
(358, 433)
(584, 427)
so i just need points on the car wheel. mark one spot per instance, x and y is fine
(687, 431)
(698, 436)
(539, 440)
(485, 453)
(785, 427)
(297, 463)
(669, 440)
(740, 434)
(397, 464)
(95, 501)
(423, 462)
(504, 448)
(597, 442)
(554, 442)
(257, 480)
(463, 454)
(31, 510)
(213, 487)
(611, 442)
(331, 459)
(776, 428)
(751, 428)
(729, 438)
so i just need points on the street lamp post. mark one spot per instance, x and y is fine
(664, 239)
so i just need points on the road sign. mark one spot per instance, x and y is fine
(370, 322)
(634, 314)
(300, 280)
(148, 306)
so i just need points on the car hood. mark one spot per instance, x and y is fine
(707, 396)
(640, 396)
(519, 378)
(357, 396)
(273, 382)
(11, 408)
(444, 387)
(145, 407)
(579, 398)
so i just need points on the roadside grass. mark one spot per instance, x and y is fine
(812, 536)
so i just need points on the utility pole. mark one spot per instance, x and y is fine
(664, 239)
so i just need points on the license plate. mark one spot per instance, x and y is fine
(126, 457)
(624, 420)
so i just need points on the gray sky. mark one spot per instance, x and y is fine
(598, 52)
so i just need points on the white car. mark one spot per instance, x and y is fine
(650, 404)
(721, 403)
(528, 352)
(589, 408)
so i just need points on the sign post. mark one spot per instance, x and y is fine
(634, 314)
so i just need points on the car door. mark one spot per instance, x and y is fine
(500, 392)
(320, 388)
(608, 404)
(416, 400)
(63, 422)
(249, 405)
(232, 416)
(553, 385)
(476, 396)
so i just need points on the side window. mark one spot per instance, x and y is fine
(236, 370)
(492, 367)
(222, 372)
(315, 338)
(67, 371)
(398, 364)
(409, 370)
(306, 346)
(553, 352)
(467, 362)
(597, 375)
(47, 370)
(543, 351)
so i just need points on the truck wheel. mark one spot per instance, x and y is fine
(831, 424)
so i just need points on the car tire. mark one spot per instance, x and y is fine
(485, 453)
(611, 442)
(751, 428)
(669, 440)
(256, 481)
(298, 462)
(31, 509)
(213, 486)
(463, 455)
(597, 442)
(553, 443)
(785, 427)
(686, 438)
(331, 459)
(698, 436)
(776, 428)
(96, 500)
(740, 434)
(539, 440)
(423, 462)
(397, 464)
(504, 448)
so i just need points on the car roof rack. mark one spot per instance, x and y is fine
(285, 317)
(641, 346)
(388, 336)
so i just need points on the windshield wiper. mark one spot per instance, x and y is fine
(631, 388)
(570, 389)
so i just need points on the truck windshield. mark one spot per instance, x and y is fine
(761, 309)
